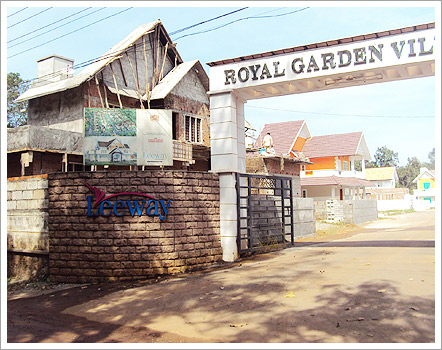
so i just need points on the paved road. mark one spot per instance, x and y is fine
(375, 286)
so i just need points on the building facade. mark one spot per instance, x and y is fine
(143, 71)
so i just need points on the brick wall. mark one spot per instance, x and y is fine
(94, 248)
(261, 165)
(27, 226)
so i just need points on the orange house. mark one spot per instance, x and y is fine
(332, 174)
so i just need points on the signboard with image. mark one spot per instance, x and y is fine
(127, 137)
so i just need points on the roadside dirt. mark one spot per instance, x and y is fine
(30, 300)
(119, 312)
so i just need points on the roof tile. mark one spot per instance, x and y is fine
(283, 135)
(334, 180)
(332, 145)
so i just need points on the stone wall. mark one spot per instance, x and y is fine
(303, 217)
(364, 211)
(27, 227)
(120, 246)
(62, 110)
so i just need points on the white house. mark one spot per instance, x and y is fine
(385, 177)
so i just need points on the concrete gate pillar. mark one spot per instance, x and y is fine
(228, 157)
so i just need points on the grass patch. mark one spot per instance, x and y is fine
(397, 212)
(334, 228)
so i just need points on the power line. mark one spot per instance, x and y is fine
(74, 31)
(206, 21)
(97, 59)
(343, 115)
(13, 25)
(110, 54)
(12, 14)
(51, 30)
(241, 19)
(36, 30)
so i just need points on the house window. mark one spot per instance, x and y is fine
(193, 129)
(174, 124)
(345, 165)
(74, 166)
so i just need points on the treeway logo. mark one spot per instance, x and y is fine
(104, 207)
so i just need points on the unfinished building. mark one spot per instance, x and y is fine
(143, 71)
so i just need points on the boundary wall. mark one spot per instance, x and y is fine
(27, 227)
(346, 211)
(121, 240)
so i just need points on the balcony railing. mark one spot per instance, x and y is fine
(331, 172)
(182, 151)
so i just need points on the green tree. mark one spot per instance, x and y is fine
(16, 111)
(432, 157)
(408, 173)
(383, 157)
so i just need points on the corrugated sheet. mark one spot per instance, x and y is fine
(324, 44)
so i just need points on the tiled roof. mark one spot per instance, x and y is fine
(283, 135)
(425, 174)
(332, 145)
(373, 174)
(335, 180)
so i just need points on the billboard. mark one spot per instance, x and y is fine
(127, 137)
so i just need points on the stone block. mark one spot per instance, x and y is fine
(17, 195)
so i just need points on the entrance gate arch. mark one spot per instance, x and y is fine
(366, 59)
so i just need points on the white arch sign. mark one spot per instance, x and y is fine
(379, 57)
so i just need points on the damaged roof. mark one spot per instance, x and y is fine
(166, 85)
(89, 71)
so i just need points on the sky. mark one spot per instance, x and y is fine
(399, 115)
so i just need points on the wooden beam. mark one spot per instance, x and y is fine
(136, 62)
(122, 72)
(147, 75)
(157, 60)
(116, 86)
(65, 162)
(152, 47)
(136, 80)
(97, 84)
(164, 61)
(105, 91)
(89, 94)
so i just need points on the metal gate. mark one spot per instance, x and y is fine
(265, 212)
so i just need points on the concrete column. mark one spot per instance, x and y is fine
(357, 192)
(241, 137)
(228, 157)
(224, 132)
(333, 193)
(364, 193)
(228, 216)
